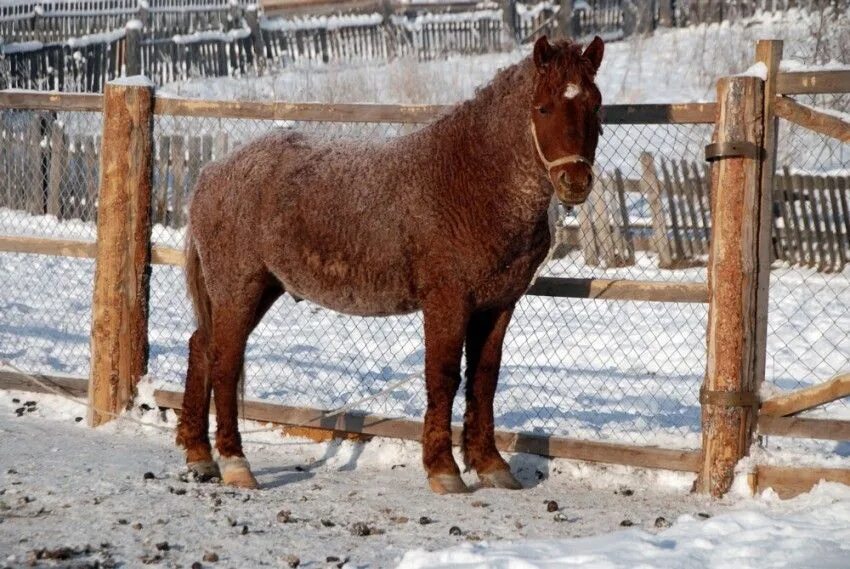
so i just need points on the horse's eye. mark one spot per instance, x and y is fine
(596, 109)
(542, 109)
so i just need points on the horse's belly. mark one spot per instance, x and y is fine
(352, 288)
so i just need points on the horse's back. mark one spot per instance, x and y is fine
(324, 217)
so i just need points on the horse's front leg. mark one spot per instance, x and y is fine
(484, 339)
(446, 317)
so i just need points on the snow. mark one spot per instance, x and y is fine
(197, 37)
(755, 70)
(51, 496)
(134, 25)
(812, 531)
(105, 37)
(327, 22)
(133, 81)
(21, 47)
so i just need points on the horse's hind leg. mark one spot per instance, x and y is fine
(193, 430)
(233, 321)
(445, 326)
(485, 335)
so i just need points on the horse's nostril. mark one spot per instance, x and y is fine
(589, 179)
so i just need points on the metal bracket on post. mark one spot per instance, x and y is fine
(734, 149)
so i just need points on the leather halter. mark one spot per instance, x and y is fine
(552, 164)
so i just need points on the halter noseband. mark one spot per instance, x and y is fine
(552, 164)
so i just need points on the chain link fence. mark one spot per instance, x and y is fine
(604, 370)
(594, 369)
(48, 165)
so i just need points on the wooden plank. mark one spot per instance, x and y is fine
(799, 82)
(652, 190)
(299, 111)
(119, 339)
(58, 160)
(679, 246)
(805, 199)
(737, 268)
(808, 398)
(841, 240)
(44, 101)
(626, 232)
(160, 204)
(813, 119)
(72, 386)
(817, 231)
(831, 256)
(60, 247)
(605, 289)
(843, 188)
(788, 481)
(375, 425)
(790, 241)
(798, 427)
(178, 181)
(688, 113)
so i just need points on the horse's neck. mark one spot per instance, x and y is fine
(494, 135)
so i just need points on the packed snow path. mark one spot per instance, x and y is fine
(64, 485)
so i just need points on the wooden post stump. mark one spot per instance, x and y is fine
(738, 268)
(119, 343)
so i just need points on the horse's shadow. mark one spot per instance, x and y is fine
(285, 475)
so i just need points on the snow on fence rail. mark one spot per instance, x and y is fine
(614, 376)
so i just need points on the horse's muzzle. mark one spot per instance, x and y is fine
(570, 190)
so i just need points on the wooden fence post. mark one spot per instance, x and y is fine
(738, 268)
(119, 343)
(509, 17)
(256, 37)
(565, 19)
(133, 61)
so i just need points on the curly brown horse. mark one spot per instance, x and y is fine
(451, 220)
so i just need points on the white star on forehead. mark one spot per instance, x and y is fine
(572, 91)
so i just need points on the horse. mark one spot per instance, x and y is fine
(452, 220)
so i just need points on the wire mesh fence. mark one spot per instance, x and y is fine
(809, 310)
(626, 371)
(593, 369)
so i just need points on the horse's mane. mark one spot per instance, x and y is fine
(511, 86)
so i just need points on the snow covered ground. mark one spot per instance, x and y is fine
(71, 496)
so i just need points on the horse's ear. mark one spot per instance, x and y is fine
(542, 52)
(594, 52)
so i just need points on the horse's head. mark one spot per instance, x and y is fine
(565, 117)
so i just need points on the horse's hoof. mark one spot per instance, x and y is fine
(237, 472)
(447, 484)
(500, 479)
(204, 470)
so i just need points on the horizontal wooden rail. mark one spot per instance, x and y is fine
(72, 386)
(50, 101)
(798, 427)
(687, 113)
(808, 398)
(78, 249)
(800, 82)
(605, 289)
(298, 111)
(788, 482)
(374, 425)
(813, 119)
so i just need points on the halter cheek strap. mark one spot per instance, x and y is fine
(552, 164)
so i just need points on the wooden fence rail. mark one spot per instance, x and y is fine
(48, 170)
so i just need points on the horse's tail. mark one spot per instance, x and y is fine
(197, 288)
